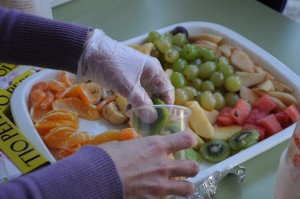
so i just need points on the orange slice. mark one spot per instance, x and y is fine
(47, 101)
(61, 115)
(44, 126)
(56, 86)
(36, 113)
(57, 136)
(85, 94)
(42, 85)
(78, 90)
(79, 138)
(113, 135)
(77, 106)
(36, 97)
(65, 152)
(66, 78)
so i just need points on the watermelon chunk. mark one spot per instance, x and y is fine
(293, 112)
(283, 119)
(240, 111)
(255, 115)
(265, 103)
(260, 130)
(270, 124)
(224, 118)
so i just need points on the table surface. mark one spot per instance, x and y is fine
(277, 34)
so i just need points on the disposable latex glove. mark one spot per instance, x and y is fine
(145, 168)
(129, 72)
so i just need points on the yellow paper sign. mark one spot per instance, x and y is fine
(18, 148)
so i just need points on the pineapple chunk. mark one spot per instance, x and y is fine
(198, 120)
(224, 133)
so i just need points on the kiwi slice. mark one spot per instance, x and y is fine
(187, 154)
(215, 150)
(155, 127)
(243, 139)
(191, 154)
(170, 129)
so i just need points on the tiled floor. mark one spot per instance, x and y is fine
(292, 10)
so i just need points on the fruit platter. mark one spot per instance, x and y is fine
(243, 101)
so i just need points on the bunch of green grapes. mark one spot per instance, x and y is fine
(198, 73)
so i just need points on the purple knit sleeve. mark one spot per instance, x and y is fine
(89, 173)
(32, 40)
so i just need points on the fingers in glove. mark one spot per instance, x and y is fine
(156, 82)
(139, 98)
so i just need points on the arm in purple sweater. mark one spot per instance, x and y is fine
(89, 173)
(30, 40)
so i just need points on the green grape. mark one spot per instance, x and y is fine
(222, 61)
(196, 83)
(196, 62)
(179, 49)
(189, 52)
(207, 100)
(227, 70)
(180, 39)
(191, 71)
(179, 65)
(181, 97)
(217, 78)
(207, 69)
(207, 86)
(171, 55)
(220, 101)
(199, 93)
(162, 44)
(169, 37)
(206, 54)
(233, 83)
(153, 36)
(231, 99)
(178, 80)
(191, 92)
(155, 53)
(166, 65)
(221, 90)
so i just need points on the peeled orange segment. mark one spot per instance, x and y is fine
(44, 126)
(36, 113)
(36, 97)
(67, 78)
(65, 152)
(77, 106)
(113, 135)
(56, 86)
(47, 101)
(42, 85)
(128, 134)
(85, 94)
(61, 115)
(78, 90)
(78, 138)
(57, 136)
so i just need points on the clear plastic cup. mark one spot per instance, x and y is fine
(288, 174)
(36, 7)
(170, 119)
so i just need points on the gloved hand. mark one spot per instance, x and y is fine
(115, 66)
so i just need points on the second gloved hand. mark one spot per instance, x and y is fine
(123, 69)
